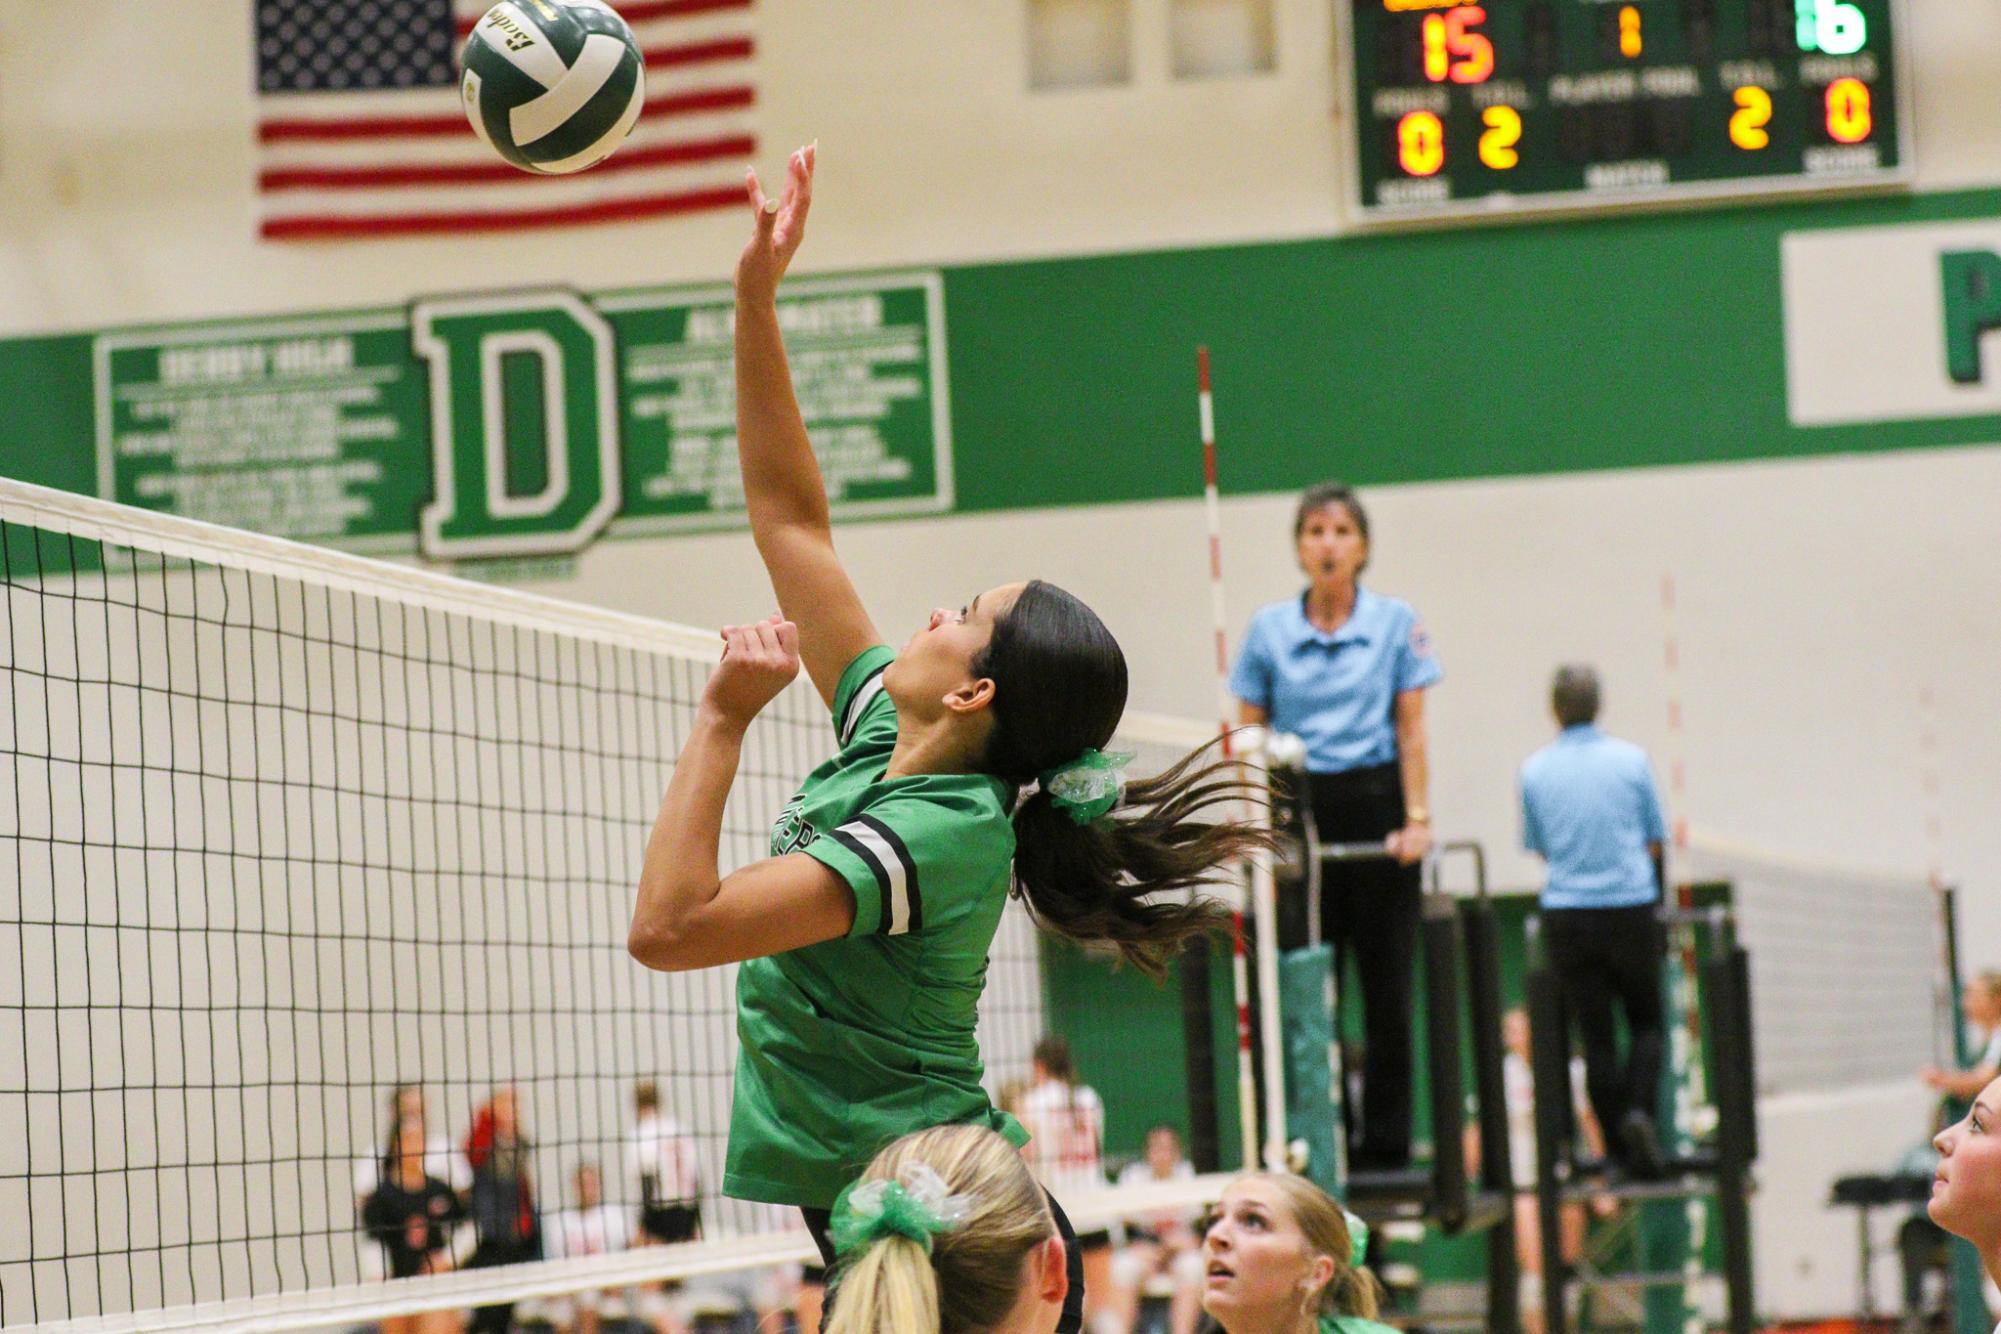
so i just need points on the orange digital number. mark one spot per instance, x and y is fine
(1421, 143)
(1437, 60)
(1454, 50)
(1629, 32)
(1748, 121)
(1848, 116)
(1503, 132)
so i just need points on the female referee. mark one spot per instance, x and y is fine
(1346, 669)
(866, 931)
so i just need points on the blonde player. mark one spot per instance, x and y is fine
(946, 1231)
(970, 762)
(1284, 1258)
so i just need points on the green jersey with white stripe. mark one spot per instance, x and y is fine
(850, 1043)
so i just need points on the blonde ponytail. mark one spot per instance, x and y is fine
(1352, 1291)
(886, 1289)
(971, 1276)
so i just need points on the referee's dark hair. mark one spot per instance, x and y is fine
(1059, 689)
(1322, 494)
(1574, 694)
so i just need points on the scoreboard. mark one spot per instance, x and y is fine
(1470, 108)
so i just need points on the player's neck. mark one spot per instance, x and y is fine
(1288, 1319)
(1329, 604)
(935, 747)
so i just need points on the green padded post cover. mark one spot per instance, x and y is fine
(1312, 1097)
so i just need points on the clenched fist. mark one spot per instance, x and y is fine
(759, 661)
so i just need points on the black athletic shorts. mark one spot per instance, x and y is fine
(672, 1222)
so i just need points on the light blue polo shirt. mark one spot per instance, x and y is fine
(1589, 805)
(1335, 691)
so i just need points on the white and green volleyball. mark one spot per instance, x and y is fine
(553, 85)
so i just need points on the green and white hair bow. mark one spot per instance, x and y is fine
(1088, 786)
(916, 1204)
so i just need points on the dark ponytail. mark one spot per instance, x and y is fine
(1059, 689)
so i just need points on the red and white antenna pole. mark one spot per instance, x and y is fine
(1247, 1097)
(1928, 758)
(1684, 1047)
(1213, 504)
(1677, 771)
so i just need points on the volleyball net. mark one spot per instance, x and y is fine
(283, 831)
(1849, 966)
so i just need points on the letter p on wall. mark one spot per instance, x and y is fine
(1971, 288)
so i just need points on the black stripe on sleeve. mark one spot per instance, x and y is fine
(902, 851)
(876, 868)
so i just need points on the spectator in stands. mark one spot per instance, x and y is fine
(947, 1231)
(1162, 1243)
(1966, 1188)
(503, 1199)
(1346, 669)
(410, 1212)
(1065, 1121)
(590, 1227)
(662, 1155)
(1281, 1257)
(441, 1160)
(1591, 810)
(1980, 1005)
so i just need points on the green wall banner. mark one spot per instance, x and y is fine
(305, 428)
(506, 424)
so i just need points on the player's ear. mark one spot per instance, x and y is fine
(1053, 1283)
(973, 696)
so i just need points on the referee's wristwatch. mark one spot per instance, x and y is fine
(1417, 815)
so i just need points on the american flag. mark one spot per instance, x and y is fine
(360, 132)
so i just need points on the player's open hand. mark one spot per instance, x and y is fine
(759, 661)
(780, 225)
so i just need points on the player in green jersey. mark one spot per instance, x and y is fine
(1283, 1257)
(865, 934)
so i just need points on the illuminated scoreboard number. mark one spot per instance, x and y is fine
(1473, 107)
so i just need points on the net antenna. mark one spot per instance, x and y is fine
(1263, 883)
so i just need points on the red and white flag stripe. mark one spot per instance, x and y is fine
(406, 162)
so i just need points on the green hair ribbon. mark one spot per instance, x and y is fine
(917, 1204)
(1088, 786)
(1358, 1239)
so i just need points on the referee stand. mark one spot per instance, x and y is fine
(1459, 944)
(1671, 1252)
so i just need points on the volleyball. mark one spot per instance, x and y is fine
(553, 86)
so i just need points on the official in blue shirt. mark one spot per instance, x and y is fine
(1590, 809)
(1346, 669)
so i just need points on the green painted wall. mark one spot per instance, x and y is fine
(1621, 342)
(1627, 342)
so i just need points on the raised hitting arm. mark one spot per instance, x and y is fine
(783, 489)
